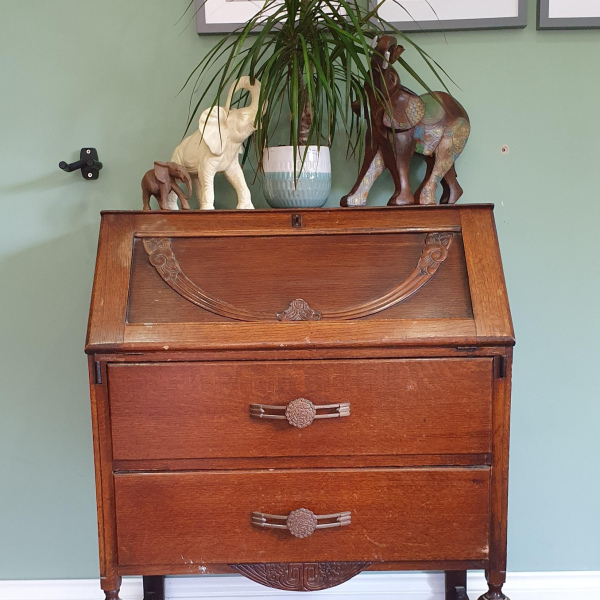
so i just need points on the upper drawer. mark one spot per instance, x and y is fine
(203, 410)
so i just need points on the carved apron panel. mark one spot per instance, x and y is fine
(301, 577)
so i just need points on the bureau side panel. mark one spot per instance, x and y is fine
(107, 537)
(486, 276)
(108, 308)
(499, 474)
(94, 393)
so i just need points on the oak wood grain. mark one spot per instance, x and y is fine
(304, 462)
(314, 222)
(496, 574)
(107, 537)
(486, 277)
(225, 569)
(108, 308)
(264, 274)
(98, 393)
(159, 315)
(178, 518)
(194, 410)
(356, 334)
(298, 354)
(422, 460)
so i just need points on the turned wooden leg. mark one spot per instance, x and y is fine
(111, 588)
(154, 587)
(456, 585)
(494, 593)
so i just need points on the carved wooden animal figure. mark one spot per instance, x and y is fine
(216, 145)
(434, 126)
(161, 181)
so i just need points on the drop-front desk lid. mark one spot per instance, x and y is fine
(298, 278)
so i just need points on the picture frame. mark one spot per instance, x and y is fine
(224, 16)
(568, 14)
(457, 15)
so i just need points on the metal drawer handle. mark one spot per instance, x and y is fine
(299, 412)
(302, 522)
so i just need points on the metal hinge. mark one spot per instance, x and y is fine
(500, 367)
(97, 372)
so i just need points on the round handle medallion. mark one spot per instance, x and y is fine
(302, 522)
(300, 412)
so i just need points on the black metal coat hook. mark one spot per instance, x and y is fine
(88, 163)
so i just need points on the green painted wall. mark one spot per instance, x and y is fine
(80, 72)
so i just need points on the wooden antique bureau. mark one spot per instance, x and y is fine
(300, 395)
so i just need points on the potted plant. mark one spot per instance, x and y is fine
(311, 57)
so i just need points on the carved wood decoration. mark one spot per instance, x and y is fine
(301, 577)
(299, 310)
(163, 259)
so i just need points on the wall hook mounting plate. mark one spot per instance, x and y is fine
(88, 163)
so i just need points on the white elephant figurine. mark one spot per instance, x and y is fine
(216, 146)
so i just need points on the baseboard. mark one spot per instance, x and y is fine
(578, 585)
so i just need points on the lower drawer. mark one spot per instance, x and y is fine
(395, 515)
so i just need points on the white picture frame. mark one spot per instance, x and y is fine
(224, 16)
(568, 14)
(446, 15)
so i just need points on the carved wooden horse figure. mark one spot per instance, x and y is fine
(434, 126)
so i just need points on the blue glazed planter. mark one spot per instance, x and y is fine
(313, 185)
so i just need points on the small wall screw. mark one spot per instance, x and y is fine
(90, 175)
(88, 151)
(505, 150)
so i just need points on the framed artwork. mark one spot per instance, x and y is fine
(444, 15)
(223, 16)
(568, 14)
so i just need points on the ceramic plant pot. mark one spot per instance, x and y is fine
(313, 185)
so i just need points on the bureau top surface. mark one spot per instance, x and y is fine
(298, 279)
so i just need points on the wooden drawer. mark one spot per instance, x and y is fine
(397, 407)
(396, 515)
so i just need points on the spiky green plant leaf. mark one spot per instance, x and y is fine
(313, 55)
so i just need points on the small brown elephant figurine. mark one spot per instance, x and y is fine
(434, 126)
(161, 180)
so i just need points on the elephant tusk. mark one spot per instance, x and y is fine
(386, 63)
